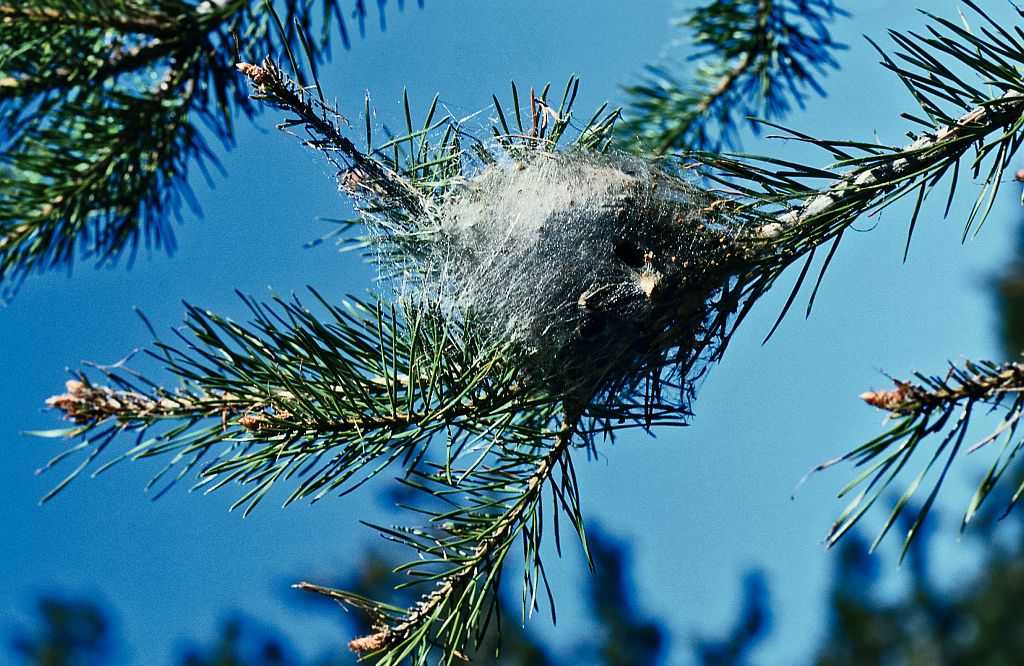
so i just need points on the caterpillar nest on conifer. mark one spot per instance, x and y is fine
(586, 265)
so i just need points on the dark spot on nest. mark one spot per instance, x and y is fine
(629, 252)
(592, 325)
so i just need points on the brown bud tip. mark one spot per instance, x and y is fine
(72, 402)
(890, 400)
(370, 643)
(1019, 176)
(256, 74)
(67, 402)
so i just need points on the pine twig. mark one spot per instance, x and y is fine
(724, 85)
(756, 58)
(483, 558)
(974, 385)
(947, 144)
(275, 87)
(142, 24)
(134, 59)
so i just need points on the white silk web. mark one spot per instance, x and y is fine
(581, 262)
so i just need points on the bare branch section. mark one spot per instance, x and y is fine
(277, 89)
(946, 145)
(84, 403)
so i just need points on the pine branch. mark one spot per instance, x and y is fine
(56, 80)
(797, 207)
(925, 155)
(121, 172)
(84, 403)
(721, 89)
(291, 395)
(276, 89)
(757, 58)
(137, 21)
(987, 384)
(935, 407)
(494, 539)
(72, 70)
(323, 400)
(674, 137)
(981, 133)
(824, 215)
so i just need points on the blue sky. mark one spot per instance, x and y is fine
(698, 505)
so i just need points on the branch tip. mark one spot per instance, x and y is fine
(890, 400)
(370, 643)
(257, 74)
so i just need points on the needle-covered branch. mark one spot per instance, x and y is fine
(464, 546)
(798, 207)
(982, 140)
(756, 58)
(293, 394)
(375, 180)
(940, 408)
(124, 17)
(984, 383)
(100, 105)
